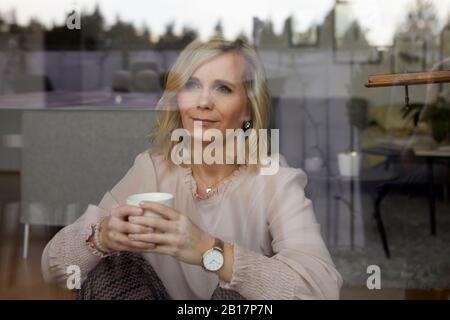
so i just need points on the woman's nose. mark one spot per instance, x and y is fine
(205, 100)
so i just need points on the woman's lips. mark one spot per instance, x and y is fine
(204, 122)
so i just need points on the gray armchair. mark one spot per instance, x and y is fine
(70, 158)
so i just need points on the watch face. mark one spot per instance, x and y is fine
(213, 260)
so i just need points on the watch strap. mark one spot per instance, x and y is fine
(219, 244)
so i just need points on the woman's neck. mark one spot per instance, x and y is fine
(214, 173)
(210, 174)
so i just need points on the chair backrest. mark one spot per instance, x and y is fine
(70, 158)
(143, 65)
(147, 81)
(9, 152)
(32, 83)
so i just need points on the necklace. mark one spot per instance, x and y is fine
(209, 188)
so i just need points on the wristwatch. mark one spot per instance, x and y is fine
(212, 259)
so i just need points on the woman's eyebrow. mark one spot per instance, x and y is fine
(222, 81)
(193, 79)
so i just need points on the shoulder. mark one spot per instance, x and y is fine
(149, 157)
(281, 174)
(147, 169)
(151, 161)
(281, 170)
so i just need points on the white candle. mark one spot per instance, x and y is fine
(349, 163)
(313, 164)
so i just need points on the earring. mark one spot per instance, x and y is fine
(246, 125)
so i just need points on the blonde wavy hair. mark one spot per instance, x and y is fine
(194, 55)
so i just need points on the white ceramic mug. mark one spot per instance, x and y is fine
(160, 197)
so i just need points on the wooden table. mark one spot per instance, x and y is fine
(407, 79)
(429, 156)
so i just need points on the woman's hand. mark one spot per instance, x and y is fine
(114, 230)
(179, 237)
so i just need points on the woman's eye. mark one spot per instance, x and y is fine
(224, 89)
(190, 85)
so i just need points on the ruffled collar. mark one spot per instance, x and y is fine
(217, 190)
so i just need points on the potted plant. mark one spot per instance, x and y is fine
(436, 114)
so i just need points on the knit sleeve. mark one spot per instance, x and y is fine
(69, 247)
(301, 267)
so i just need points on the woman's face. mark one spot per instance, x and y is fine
(215, 95)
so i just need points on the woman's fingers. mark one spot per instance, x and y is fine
(115, 230)
(156, 238)
(164, 211)
(155, 223)
(123, 212)
(127, 227)
(129, 245)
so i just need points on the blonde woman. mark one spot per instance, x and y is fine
(233, 232)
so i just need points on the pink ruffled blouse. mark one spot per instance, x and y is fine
(278, 249)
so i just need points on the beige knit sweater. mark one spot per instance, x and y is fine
(278, 250)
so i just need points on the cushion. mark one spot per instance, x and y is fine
(389, 117)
